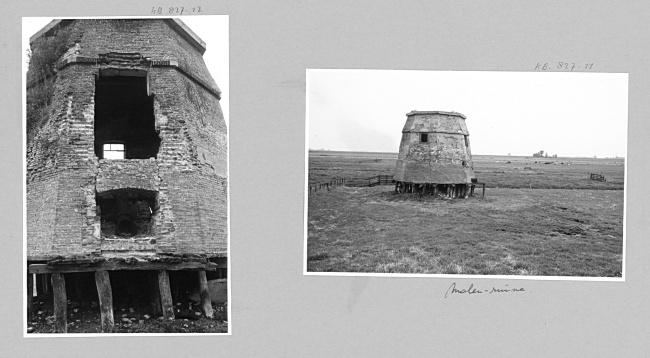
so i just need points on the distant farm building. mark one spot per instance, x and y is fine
(435, 155)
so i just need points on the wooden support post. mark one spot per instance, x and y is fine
(48, 284)
(206, 304)
(173, 285)
(39, 284)
(76, 279)
(484, 190)
(30, 296)
(435, 189)
(165, 294)
(156, 306)
(60, 303)
(105, 293)
(466, 194)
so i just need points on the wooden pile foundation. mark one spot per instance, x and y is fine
(449, 191)
(51, 279)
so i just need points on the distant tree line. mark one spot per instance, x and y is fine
(542, 154)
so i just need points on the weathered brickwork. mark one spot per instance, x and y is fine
(67, 180)
(127, 173)
(442, 156)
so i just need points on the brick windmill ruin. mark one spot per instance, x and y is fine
(435, 155)
(126, 164)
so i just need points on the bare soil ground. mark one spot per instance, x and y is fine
(549, 221)
(129, 318)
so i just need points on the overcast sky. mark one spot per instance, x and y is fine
(212, 29)
(565, 113)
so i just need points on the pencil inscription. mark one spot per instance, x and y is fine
(563, 66)
(473, 290)
(175, 10)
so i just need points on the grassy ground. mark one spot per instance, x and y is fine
(515, 230)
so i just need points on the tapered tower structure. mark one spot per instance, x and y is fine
(126, 151)
(435, 154)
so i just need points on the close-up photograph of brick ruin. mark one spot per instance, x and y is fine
(126, 180)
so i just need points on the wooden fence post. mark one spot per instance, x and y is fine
(60, 303)
(105, 292)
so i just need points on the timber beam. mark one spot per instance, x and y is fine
(113, 266)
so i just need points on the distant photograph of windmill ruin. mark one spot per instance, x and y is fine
(468, 174)
(126, 226)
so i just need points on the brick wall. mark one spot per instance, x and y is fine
(446, 156)
(64, 174)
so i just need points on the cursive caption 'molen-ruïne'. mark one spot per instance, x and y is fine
(471, 290)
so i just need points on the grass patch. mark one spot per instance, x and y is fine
(525, 232)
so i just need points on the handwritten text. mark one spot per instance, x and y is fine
(176, 10)
(563, 66)
(471, 290)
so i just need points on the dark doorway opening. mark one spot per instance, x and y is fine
(127, 212)
(124, 115)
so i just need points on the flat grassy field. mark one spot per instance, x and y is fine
(550, 221)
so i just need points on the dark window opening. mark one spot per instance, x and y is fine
(424, 137)
(126, 212)
(466, 142)
(124, 115)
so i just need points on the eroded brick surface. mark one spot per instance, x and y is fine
(444, 158)
(65, 174)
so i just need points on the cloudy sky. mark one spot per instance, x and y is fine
(212, 29)
(565, 113)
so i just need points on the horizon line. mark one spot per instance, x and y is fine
(499, 155)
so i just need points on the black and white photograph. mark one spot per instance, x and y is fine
(466, 173)
(325, 178)
(126, 225)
